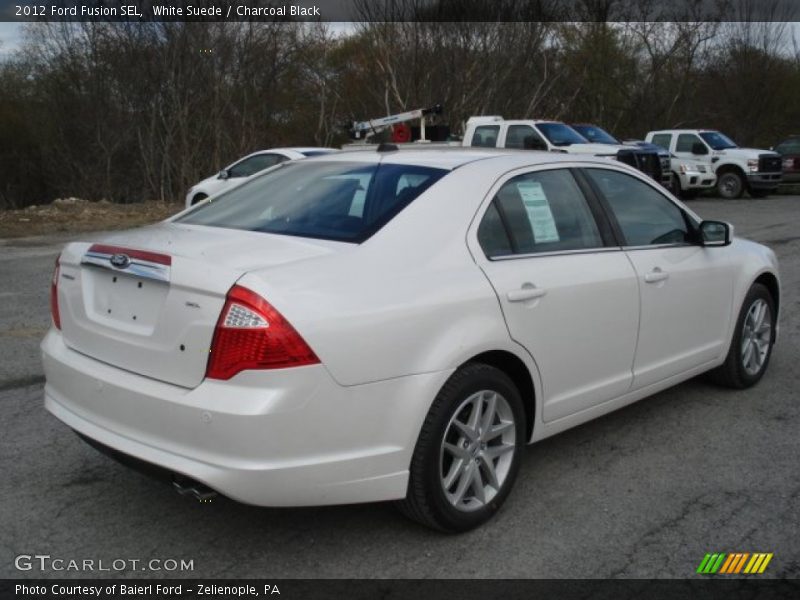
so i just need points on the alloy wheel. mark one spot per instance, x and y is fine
(756, 337)
(477, 450)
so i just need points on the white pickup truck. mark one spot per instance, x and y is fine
(737, 169)
(553, 136)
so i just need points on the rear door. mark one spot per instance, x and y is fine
(686, 289)
(568, 293)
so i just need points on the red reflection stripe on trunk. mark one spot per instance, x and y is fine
(153, 257)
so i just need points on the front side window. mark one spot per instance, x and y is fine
(663, 140)
(254, 164)
(645, 216)
(686, 142)
(538, 212)
(485, 136)
(340, 201)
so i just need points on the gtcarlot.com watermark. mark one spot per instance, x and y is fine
(48, 563)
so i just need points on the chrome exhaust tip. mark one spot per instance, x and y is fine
(189, 487)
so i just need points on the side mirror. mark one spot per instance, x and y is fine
(699, 148)
(715, 233)
(224, 174)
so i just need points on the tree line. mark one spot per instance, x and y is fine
(141, 111)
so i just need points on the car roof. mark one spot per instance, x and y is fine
(685, 131)
(303, 149)
(451, 158)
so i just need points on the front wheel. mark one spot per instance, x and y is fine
(730, 185)
(679, 191)
(752, 342)
(468, 451)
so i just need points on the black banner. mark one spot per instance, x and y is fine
(396, 10)
(455, 589)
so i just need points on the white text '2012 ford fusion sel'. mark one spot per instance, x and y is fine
(397, 325)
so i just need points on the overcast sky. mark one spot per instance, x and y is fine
(10, 36)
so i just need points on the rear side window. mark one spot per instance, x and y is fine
(645, 216)
(485, 136)
(254, 164)
(663, 140)
(538, 212)
(341, 201)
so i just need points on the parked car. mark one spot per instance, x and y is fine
(553, 136)
(245, 167)
(789, 149)
(598, 135)
(396, 325)
(737, 169)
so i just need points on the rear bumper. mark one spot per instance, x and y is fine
(290, 437)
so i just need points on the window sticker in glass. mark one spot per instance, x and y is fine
(538, 209)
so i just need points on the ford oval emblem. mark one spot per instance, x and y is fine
(121, 261)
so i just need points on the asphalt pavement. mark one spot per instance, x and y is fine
(644, 492)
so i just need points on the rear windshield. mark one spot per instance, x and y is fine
(340, 201)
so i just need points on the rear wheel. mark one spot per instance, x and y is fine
(752, 342)
(468, 452)
(730, 185)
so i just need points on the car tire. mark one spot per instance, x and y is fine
(676, 185)
(199, 198)
(465, 462)
(730, 185)
(751, 346)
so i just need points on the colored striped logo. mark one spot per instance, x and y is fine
(734, 563)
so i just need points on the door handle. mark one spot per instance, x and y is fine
(656, 275)
(526, 292)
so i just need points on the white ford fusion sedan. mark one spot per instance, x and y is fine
(397, 325)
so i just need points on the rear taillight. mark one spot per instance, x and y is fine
(251, 334)
(54, 295)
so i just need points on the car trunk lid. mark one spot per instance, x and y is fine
(148, 300)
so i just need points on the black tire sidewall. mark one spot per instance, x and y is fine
(676, 186)
(484, 378)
